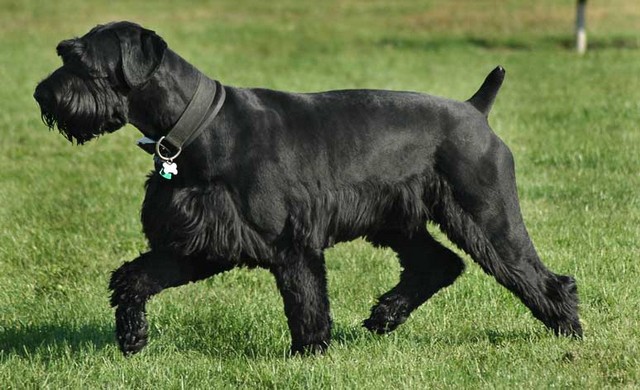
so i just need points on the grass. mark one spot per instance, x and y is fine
(69, 214)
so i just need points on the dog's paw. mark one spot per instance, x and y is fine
(563, 319)
(566, 325)
(386, 317)
(569, 327)
(131, 329)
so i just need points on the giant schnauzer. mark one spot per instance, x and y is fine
(263, 178)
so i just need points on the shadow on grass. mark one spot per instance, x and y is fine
(349, 334)
(355, 335)
(224, 339)
(498, 337)
(258, 341)
(482, 336)
(233, 337)
(508, 43)
(229, 335)
(54, 341)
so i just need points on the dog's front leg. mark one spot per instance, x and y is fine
(135, 282)
(302, 282)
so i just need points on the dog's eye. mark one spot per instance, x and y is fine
(72, 59)
(79, 65)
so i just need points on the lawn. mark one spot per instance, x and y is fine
(69, 215)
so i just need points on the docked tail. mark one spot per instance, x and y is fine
(483, 99)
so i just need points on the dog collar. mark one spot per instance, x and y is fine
(204, 106)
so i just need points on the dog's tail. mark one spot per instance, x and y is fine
(483, 99)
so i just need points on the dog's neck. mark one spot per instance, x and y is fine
(155, 112)
(151, 109)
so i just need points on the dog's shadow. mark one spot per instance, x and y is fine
(52, 341)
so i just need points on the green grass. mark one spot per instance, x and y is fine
(69, 215)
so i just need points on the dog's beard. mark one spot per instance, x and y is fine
(81, 109)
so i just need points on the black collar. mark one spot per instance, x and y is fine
(204, 106)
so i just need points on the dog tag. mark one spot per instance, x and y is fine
(169, 168)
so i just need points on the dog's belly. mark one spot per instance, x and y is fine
(213, 220)
(316, 213)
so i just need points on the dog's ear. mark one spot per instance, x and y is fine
(142, 51)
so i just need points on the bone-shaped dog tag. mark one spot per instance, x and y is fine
(169, 168)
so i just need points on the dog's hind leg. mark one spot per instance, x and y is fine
(479, 211)
(302, 282)
(135, 282)
(427, 267)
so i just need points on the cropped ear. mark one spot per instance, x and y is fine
(142, 51)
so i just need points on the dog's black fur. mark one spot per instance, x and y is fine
(278, 177)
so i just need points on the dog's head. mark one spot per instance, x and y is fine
(87, 95)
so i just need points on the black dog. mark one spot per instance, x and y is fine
(255, 177)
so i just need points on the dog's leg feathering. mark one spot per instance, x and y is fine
(427, 267)
(485, 221)
(302, 282)
(135, 282)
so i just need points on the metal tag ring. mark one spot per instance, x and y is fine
(159, 154)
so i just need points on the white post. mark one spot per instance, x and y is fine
(581, 31)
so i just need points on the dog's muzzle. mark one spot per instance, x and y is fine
(80, 108)
(47, 101)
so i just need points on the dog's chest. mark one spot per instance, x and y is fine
(197, 219)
